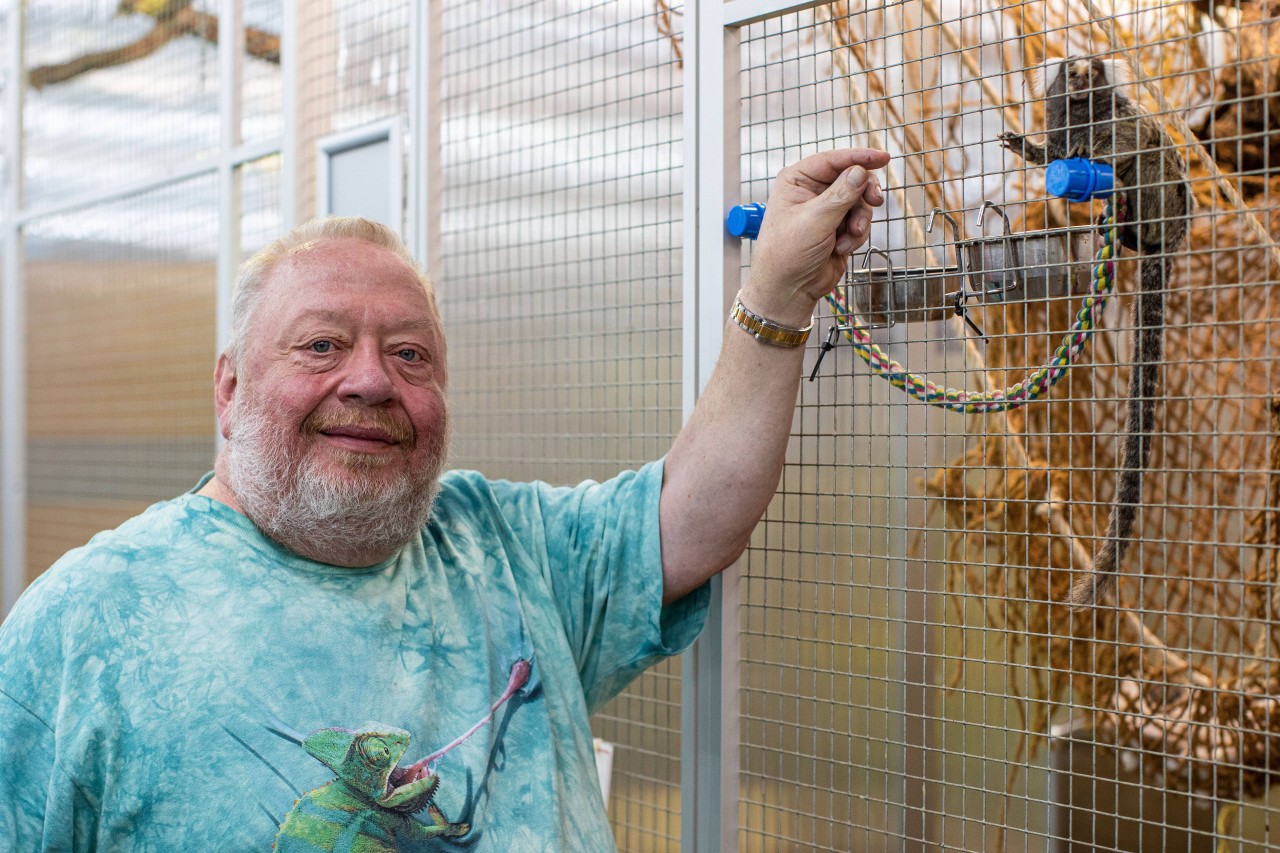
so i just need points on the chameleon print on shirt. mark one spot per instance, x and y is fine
(370, 805)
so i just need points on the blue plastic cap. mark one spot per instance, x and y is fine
(744, 220)
(1079, 179)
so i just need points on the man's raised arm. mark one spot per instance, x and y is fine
(723, 468)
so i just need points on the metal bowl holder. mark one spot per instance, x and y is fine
(1008, 268)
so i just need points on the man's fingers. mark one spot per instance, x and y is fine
(861, 224)
(846, 241)
(830, 197)
(854, 229)
(844, 194)
(826, 166)
(873, 194)
(818, 171)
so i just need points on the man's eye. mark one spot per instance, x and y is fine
(322, 347)
(409, 355)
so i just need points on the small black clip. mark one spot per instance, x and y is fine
(963, 315)
(827, 346)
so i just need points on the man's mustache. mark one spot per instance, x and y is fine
(393, 429)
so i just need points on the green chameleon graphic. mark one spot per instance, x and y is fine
(369, 807)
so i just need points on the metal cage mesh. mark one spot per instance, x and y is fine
(834, 654)
(995, 717)
(561, 290)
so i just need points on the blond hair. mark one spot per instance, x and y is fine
(256, 271)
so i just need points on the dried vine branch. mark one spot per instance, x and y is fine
(170, 24)
(666, 27)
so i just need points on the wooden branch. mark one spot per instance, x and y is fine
(162, 34)
(258, 43)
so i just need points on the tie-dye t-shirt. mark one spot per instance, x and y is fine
(183, 683)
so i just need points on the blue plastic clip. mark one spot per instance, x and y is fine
(744, 220)
(1079, 179)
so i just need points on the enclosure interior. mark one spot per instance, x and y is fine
(898, 664)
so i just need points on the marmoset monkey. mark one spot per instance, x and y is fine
(1087, 114)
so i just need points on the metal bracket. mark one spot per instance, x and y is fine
(1030, 265)
(1010, 267)
(885, 297)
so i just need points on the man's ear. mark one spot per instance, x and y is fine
(224, 390)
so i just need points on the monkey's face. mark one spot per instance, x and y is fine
(1075, 77)
(1083, 77)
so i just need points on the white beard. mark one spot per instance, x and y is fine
(310, 512)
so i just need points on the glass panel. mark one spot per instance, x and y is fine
(115, 98)
(260, 95)
(120, 354)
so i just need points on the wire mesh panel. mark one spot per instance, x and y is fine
(926, 660)
(560, 286)
(121, 234)
(352, 67)
(260, 204)
(834, 662)
(120, 348)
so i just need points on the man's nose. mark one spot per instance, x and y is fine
(367, 377)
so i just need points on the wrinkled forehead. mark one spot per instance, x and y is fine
(349, 256)
(316, 269)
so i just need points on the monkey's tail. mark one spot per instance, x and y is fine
(1144, 378)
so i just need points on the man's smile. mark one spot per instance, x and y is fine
(367, 435)
(368, 431)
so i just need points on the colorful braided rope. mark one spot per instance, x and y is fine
(1029, 389)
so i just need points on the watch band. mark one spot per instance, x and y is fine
(767, 331)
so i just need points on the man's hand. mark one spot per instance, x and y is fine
(818, 213)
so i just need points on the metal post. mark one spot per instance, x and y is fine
(13, 385)
(709, 714)
(230, 65)
(906, 668)
(710, 677)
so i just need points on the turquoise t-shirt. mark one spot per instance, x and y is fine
(183, 683)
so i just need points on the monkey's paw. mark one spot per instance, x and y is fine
(1012, 141)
